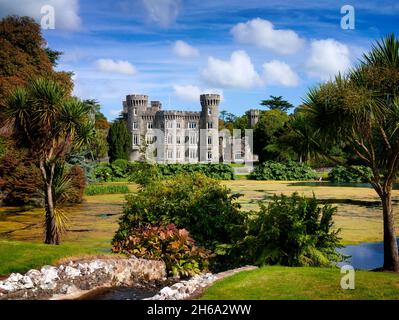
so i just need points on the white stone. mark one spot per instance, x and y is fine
(15, 277)
(34, 275)
(27, 282)
(71, 272)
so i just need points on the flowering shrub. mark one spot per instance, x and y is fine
(164, 242)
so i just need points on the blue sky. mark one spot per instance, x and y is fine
(173, 50)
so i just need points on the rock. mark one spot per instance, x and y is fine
(49, 277)
(27, 282)
(71, 272)
(34, 275)
(15, 277)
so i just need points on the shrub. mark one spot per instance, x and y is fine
(195, 202)
(292, 231)
(143, 173)
(77, 185)
(122, 164)
(103, 173)
(165, 242)
(217, 171)
(20, 178)
(93, 189)
(271, 170)
(354, 174)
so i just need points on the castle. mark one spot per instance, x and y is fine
(186, 136)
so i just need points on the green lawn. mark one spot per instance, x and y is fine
(20, 256)
(289, 283)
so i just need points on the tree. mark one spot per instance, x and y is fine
(48, 123)
(99, 146)
(277, 103)
(119, 141)
(361, 109)
(24, 55)
(266, 133)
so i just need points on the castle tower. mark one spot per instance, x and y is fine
(137, 105)
(253, 117)
(209, 128)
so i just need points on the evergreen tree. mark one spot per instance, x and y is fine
(119, 141)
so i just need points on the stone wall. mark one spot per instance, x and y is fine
(74, 278)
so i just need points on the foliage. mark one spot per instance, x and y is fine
(271, 170)
(277, 103)
(24, 55)
(352, 174)
(192, 201)
(292, 231)
(77, 185)
(218, 171)
(94, 189)
(168, 243)
(119, 141)
(49, 124)
(102, 173)
(20, 179)
(361, 110)
(266, 132)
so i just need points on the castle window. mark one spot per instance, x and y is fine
(136, 139)
(135, 111)
(149, 139)
(210, 125)
(135, 125)
(209, 155)
(169, 124)
(149, 125)
(178, 155)
(193, 153)
(178, 125)
(192, 125)
(193, 139)
(209, 111)
(209, 139)
(170, 154)
(170, 139)
(177, 139)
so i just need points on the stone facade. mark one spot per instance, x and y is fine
(187, 136)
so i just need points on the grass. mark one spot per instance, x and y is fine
(95, 189)
(20, 256)
(290, 283)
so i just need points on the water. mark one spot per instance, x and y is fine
(364, 256)
(121, 293)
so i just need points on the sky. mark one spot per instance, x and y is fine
(174, 50)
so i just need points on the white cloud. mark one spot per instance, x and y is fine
(192, 93)
(115, 112)
(66, 11)
(119, 66)
(263, 34)
(163, 12)
(184, 50)
(238, 72)
(279, 73)
(327, 58)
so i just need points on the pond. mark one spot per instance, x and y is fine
(364, 256)
(121, 293)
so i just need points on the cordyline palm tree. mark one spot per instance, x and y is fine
(362, 110)
(48, 123)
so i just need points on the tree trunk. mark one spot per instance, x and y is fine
(52, 233)
(391, 259)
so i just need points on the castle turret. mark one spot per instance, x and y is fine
(253, 117)
(209, 125)
(136, 105)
